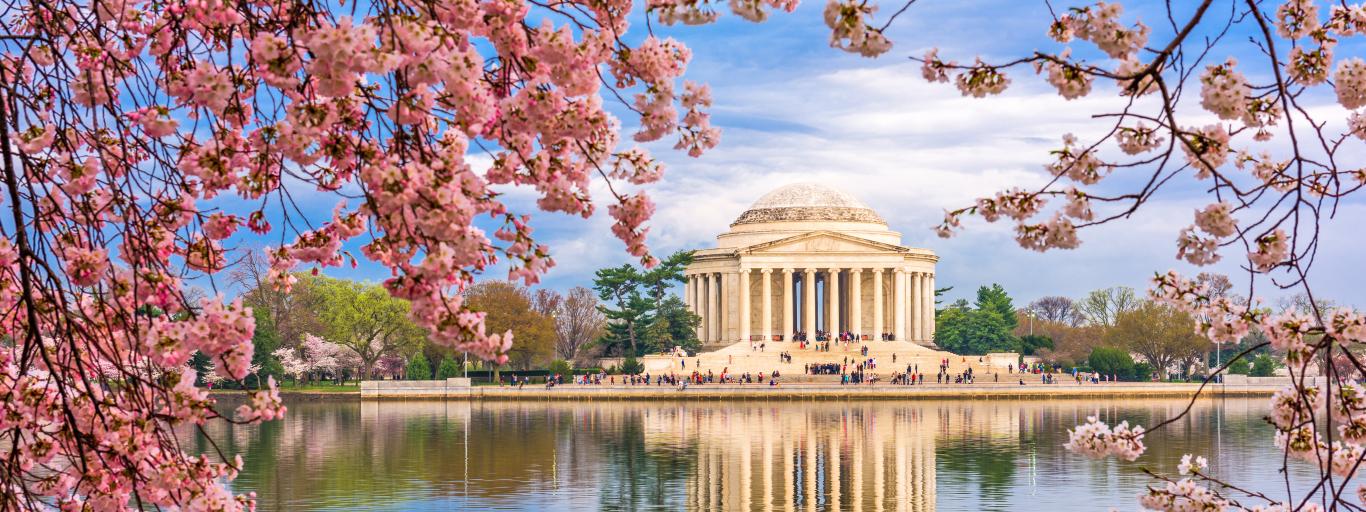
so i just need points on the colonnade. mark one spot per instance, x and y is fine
(738, 305)
(776, 465)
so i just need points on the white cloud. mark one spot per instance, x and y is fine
(910, 150)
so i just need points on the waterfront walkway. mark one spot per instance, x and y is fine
(383, 390)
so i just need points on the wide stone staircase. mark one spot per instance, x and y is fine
(890, 357)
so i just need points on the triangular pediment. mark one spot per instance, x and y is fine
(823, 242)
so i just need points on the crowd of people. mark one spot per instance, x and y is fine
(851, 370)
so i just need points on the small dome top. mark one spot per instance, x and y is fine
(808, 202)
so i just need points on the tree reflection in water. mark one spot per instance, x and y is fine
(747, 455)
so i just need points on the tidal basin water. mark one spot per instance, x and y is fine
(730, 455)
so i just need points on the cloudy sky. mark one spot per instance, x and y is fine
(792, 109)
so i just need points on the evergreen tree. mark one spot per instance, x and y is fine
(1031, 343)
(963, 330)
(674, 325)
(995, 299)
(642, 317)
(418, 368)
(448, 368)
(1111, 361)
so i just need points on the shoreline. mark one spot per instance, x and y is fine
(795, 392)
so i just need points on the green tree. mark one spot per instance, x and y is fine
(1111, 361)
(507, 306)
(1031, 344)
(418, 368)
(620, 287)
(641, 316)
(1240, 367)
(673, 325)
(366, 319)
(560, 366)
(1264, 365)
(1103, 307)
(631, 366)
(657, 281)
(266, 339)
(965, 331)
(1163, 335)
(995, 299)
(448, 369)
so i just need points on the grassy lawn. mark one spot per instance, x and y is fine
(314, 387)
(322, 387)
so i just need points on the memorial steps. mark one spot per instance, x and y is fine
(739, 358)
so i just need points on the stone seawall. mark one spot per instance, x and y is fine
(447, 390)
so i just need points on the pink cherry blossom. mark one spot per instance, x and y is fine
(1224, 90)
(1270, 250)
(1217, 219)
(1097, 439)
(1349, 80)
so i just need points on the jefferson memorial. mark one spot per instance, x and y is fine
(806, 260)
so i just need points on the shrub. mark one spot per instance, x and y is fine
(418, 368)
(631, 366)
(1264, 366)
(1112, 361)
(1241, 366)
(1030, 344)
(448, 369)
(1143, 372)
(561, 367)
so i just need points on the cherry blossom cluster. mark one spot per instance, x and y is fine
(1097, 439)
(1274, 167)
(145, 135)
(850, 30)
(315, 355)
(1184, 495)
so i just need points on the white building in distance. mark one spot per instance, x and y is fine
(808, 258)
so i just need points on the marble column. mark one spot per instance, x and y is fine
(929, 309)
(809, 303)
(899, 304)
(926, 306)
(687, 293)
(713, 326)
(766, 295)
(744, 304)
(877, 304)
(856, 301)
(832, 283)
(917, 306)
(694, 293)
(723, 312)
(789, 323)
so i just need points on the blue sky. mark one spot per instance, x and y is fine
(793, 109)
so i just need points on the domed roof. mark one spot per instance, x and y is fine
(808, 202)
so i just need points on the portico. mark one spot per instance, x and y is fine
(807, 259)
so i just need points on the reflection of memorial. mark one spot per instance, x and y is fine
(703, 455)
(831, 458)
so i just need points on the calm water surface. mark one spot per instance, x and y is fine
(877, 455)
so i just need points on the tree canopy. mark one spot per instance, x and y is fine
(963, 330)
(508, 306)
(994, 298)
(641, 316)
(1163, 335)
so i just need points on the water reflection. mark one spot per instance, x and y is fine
(876, 456)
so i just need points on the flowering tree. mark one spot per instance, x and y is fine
(139, 137)
(1271, 141)
(314, 355)
(1268, 145)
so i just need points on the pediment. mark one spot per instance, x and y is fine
(823, 242)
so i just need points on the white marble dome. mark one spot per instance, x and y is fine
(801, 208)
(807, 202)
